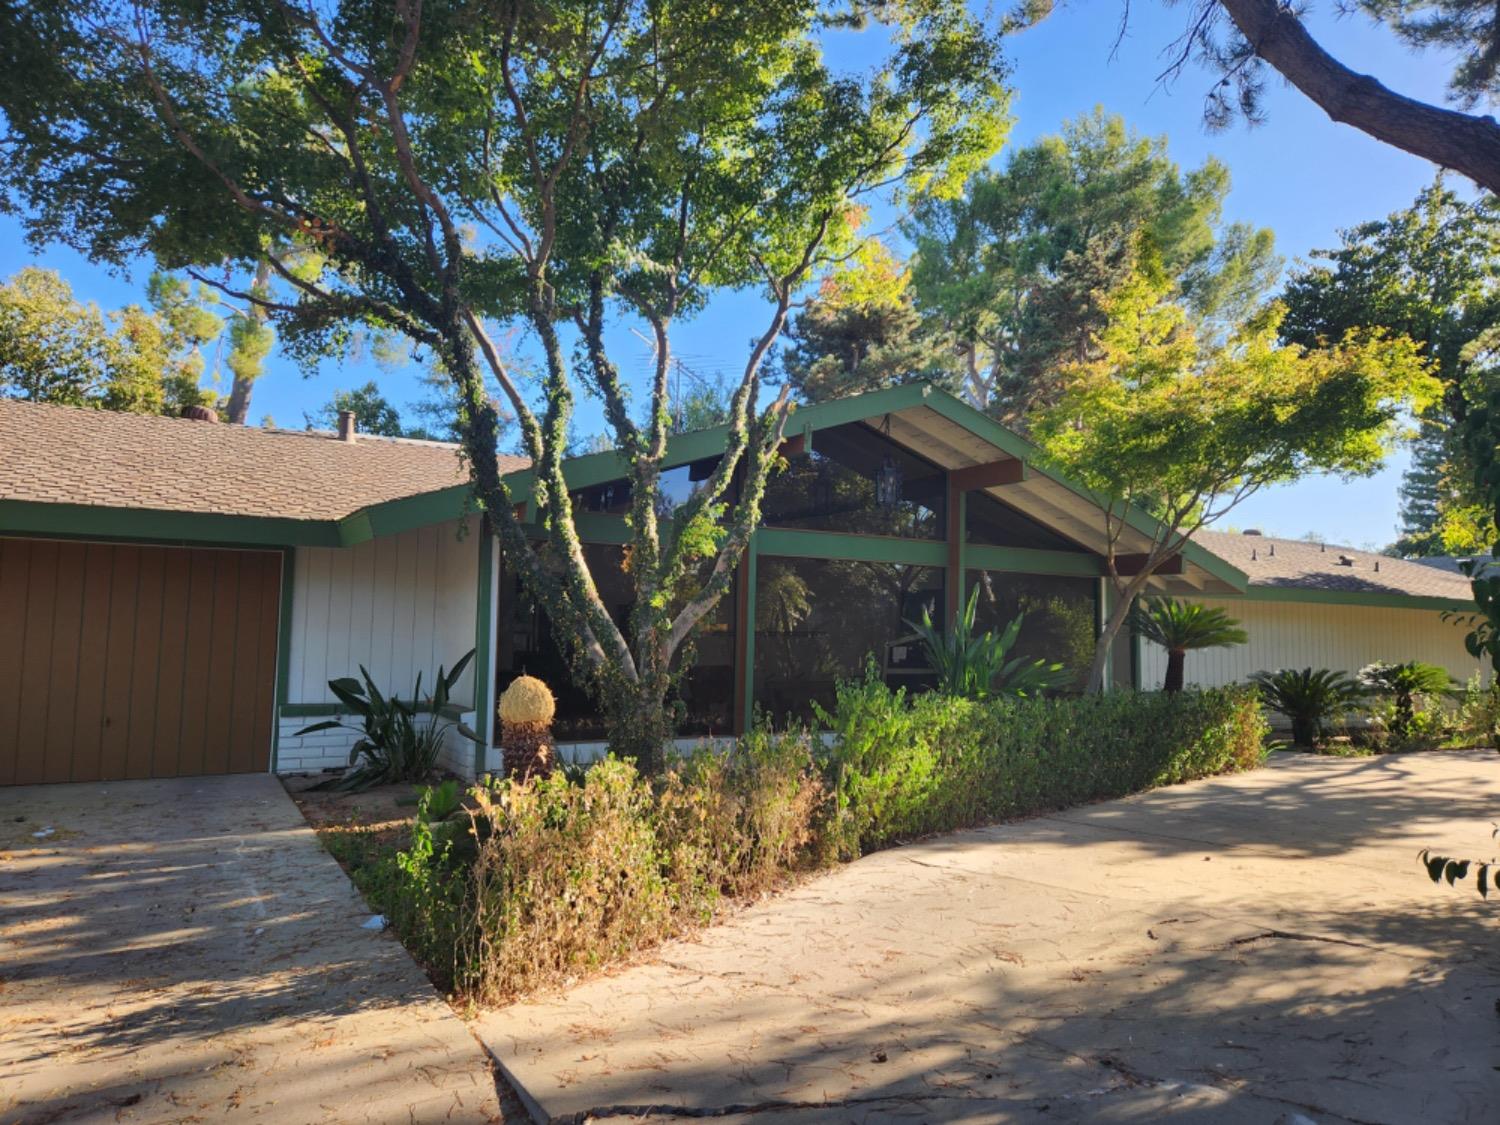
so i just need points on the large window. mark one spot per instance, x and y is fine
(527, 645)
(612, 497)
(995, 524)
(1060, 615)
(817, 620)
(858, 480)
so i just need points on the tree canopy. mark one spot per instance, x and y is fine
(1187, 427)
(458, 164)
(1015, 270)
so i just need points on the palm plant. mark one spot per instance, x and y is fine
(975, 666)
(1406, 684)
(1311, 699)
(1180, 627)
(393, 745)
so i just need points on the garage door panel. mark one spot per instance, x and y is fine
(93, 663)
(15, 563)
(135, 661)
(62, 681)
(36, 666)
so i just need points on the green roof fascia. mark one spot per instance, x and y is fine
(1369, 598)
(146, 525)
(395, 516)
(997, 435)
(682, 449)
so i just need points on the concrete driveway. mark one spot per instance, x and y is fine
(187, 951)
(1260, 948)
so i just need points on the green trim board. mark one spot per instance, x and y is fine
(855, 548)
(1027, 560)
(283, 649)
(484, 684)
(143, 525)
(1374, 599)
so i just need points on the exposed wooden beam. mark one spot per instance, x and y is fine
(1009, 471)
(1127, 565)
(794, 446)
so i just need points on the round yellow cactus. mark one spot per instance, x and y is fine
(527, 700)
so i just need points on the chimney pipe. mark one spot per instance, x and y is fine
(347, 427)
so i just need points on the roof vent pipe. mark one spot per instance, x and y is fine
(347, 427)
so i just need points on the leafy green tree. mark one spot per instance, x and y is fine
(54, 348)
(1187, 427)
(1430, 272)
(861, 332)
(1015, 271)
(461, 166)
(1183, 627)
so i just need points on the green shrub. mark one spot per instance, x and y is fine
(547, 879)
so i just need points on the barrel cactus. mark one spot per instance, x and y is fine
(526, 710)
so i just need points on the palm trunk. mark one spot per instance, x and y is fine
(1176, 658)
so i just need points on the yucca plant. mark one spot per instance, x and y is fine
(392, 745)
(1312, 699)
(975, 666)
(1181, 627)
(1407, 685)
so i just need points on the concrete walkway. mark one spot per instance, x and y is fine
(1260, 949)
(187, 951)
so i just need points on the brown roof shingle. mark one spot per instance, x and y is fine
(68, 455)
(1299, 564)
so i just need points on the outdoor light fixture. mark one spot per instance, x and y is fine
(888, 483)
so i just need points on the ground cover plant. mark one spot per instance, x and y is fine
(548, 878)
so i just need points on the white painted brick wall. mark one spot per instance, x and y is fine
(326, 749)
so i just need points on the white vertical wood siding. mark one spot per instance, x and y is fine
(399, 605)
(1310, 635)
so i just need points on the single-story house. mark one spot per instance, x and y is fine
(175, 594)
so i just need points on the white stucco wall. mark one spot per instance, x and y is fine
(399, 605)
(1308, 634)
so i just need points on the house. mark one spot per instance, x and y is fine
(176, 594)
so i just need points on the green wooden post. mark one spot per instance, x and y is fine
(283, 648)
(484, 684)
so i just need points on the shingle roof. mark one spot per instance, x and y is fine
(1299, 564)
(68, 455)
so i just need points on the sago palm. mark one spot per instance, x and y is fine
(1180, 627)
(1312, 699)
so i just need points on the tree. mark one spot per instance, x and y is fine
(1015, 269)
(1183, 627)
(861, 331)
(373, 414)
(462, 165)
(1430, 272)
(1186, 428)
(144, 361)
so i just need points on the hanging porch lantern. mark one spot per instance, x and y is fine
(890, 482)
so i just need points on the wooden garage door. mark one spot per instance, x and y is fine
(122, 661)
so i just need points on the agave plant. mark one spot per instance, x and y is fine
(1312, 699)
(1180, 627)
(975, 665)
(1406, 684)
(393, 746)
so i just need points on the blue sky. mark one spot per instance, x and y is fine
(1299, 174)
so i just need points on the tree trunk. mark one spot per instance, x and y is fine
(1467, 143)
(1176, 657)
(240, 389)
(1104, 647)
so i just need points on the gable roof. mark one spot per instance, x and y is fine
(136, 463)
(1299, 570)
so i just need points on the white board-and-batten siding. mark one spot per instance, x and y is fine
(399, 605)
(1314, 635)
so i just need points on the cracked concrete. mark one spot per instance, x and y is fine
(186, 950)
(1261, 948)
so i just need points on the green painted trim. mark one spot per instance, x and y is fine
(747, 673)
(144, 525)
(592, 527)
(1372, 599)
(484, 686)
(1026, 560)
(857, 548)
(396, 516)
(283, 650)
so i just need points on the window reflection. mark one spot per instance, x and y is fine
(858, 480)
(817, 620)
(1060, 615)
